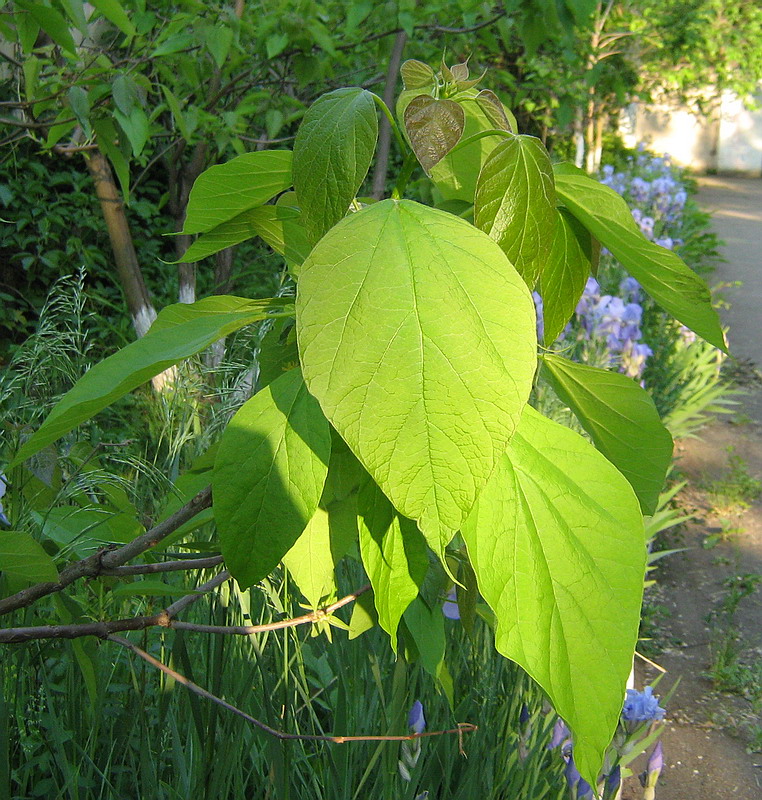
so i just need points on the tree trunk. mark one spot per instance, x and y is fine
(385, 134)
(579, 138)
(139, 303)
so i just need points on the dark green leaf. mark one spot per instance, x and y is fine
(125, 93)
(433, 128)
(113, 11)
(269, 474)
(80, 105)
(516, 205)
(53, 24)
(426, 626)
(563, 279)
(622, 420)
(332, 154)
(136, 126)
(76, 13)
(659, 271)
(23, 557)
(227, 190)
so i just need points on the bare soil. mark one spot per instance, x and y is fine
(709, 737)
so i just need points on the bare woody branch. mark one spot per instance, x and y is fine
(94, 565)
(166, 619)
(179, 565)
(463, 727)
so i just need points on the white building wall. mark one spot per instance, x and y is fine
(694, 140)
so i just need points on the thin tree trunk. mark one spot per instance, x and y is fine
(385, 134)
(139, 305)
(579, 138)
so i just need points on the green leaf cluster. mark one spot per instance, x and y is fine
(392, 424)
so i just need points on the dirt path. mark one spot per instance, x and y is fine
(710, 734)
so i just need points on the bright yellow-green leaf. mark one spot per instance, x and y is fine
(394, 555)
(558, 546)
(563, 278)
(622, 420)
(516, 205)
(417, 336)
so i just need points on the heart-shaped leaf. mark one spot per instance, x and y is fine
(406, 340)
(433, 128)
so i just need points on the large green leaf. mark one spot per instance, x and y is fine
(227, 190)
(23, 557)
(417, 337)
(433, 128)
(332, 154)
(268, 477)
(622, 420)
(324, 542)
(516, 205)
(659, 271)
(180, 331)
(557, 543)
(394, 555)
(563, 278)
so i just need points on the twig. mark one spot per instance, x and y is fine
(93, 565)
(102, 630)
(463, 727)
(166, 619)
(179, 565)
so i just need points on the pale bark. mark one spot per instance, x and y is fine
(141, 309)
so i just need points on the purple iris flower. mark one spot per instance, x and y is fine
(656, 760)
(538, 307)
(571, 773)
(642, 706)
(415, 719)
(629, 288)
(561, 733)
(450, 606)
